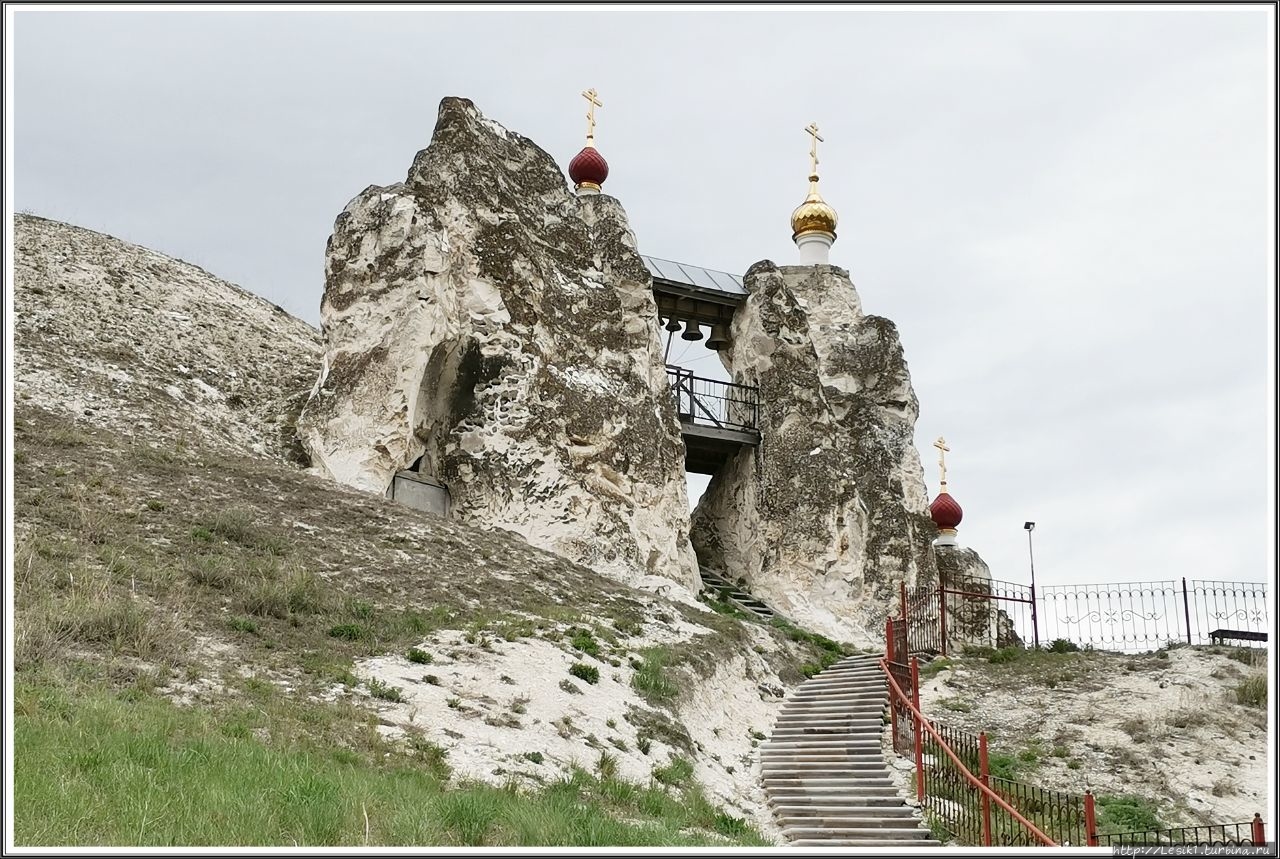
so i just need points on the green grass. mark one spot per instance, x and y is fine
(582, 639)
(95, 769)
(588, 673)
(1126, 814)
(1253, 691)
(651, 679)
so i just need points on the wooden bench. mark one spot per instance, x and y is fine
(1219, 635)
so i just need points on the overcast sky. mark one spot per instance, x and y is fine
(1066, 210)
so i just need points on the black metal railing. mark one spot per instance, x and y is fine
(1221, 835)
(712, 403)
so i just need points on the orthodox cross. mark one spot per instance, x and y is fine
(941, 445)
(592, 103)
(812, 129)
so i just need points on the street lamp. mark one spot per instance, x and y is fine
(1035, 627)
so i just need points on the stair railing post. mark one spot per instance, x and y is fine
(895, 706)
(1186, 608)
(984, 774)
(919, 728)
(942, 609)
(1035, 618)
(1090, 821)
(1259, 831)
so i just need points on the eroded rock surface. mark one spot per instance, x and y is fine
(828, 514)
(121, 336)
(500, 334)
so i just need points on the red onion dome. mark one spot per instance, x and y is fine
(588, 167)
(945, 512)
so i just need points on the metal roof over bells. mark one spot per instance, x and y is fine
(690, 292)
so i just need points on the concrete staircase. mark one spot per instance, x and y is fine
(712, 581)
(824, 774)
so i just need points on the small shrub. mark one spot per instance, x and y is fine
(1253, 691)
(958, 705)
(650, 679)
(1126, 814)
(385, 691)
(611, 723)
(728, 825)
(349, 631)
(589, 673)
(454, 703)
(431, 679)
(154, 505)
(533, 757)
(936, 667)
(582, 639)
(569, 686)
(644, 744)
(676, 773)
(1137, 728)
(1005, 655)
(1062, 645)
(1074, 764)
(243, 624)
(418, 657)
(1225, 786)
(618, 743)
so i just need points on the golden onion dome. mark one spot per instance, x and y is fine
(813, 215)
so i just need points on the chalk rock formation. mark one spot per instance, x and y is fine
(482, 322)
(828, 514)
(977, 619)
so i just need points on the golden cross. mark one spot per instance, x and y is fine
(812, 128)
(592, 103)
(941, 445)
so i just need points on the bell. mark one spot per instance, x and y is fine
(673, 324)
(719, 336)
(691, 331)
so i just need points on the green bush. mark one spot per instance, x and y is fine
(589, 673)
(1126, 814)
(676, 773)
(1005, 655)
(385, 691)
(418, 657)
(650, 679)
(1062, 645)
(349, 631)
(582, 639)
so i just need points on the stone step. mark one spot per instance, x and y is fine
(865, 842)
(854, 832)
(833, 705)
(854, 823)
(818, 741)
(833, 795)
(882, 782)
(903, 815)
(771, 769)
(840, 693)
(870, 805)
(808, 732)
(810, 723)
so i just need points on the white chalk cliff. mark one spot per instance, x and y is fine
(829, 513)
(487, 326)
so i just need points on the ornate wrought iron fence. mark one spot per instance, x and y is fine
(1221, 835)
(1060, 815)
(709, 402)
(1123, 616)
(1229, 606)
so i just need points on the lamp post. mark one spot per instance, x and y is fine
(1035, 627)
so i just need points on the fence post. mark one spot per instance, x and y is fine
(902, 600)
(1035, 618)
(1090, 821)
(1186, 608)
(984, 775)
(888, 662)
(942, 609)
(919, 731)
(1259, 831)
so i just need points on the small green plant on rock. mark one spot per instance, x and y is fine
(418, 657)
(582, 671)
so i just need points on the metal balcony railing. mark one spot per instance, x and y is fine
(712, 403)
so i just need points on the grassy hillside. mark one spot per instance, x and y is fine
(187, 627)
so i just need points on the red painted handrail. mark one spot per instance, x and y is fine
(964, 771)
